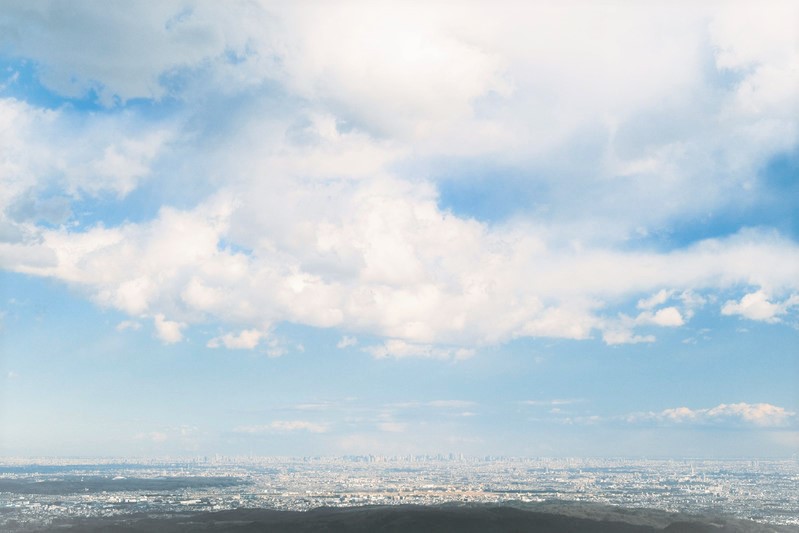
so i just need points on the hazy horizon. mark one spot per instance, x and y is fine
(522, 229)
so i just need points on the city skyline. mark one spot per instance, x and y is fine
(352, 228)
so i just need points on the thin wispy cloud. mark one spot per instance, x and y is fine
(759, 414)
(283, 426)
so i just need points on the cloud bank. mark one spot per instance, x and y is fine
(318, 159)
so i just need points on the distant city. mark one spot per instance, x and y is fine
(41, 492)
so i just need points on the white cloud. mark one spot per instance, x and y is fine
(623, 336)
(621, 330)
(666, 317)
(284, 426)
(246, 340)
(457, 281)
(494, 81)
(758, 414)
(346, 342)
(378, 86)
(756, 306)
(275, 347)
(128, 324)
(167, 330)
(398, 348)
(551, 403)
(323, 216)
(655, 300)
(120, 167)
(122, 53)
(691, 301)
(451, 404)
(53, 149)
(12, 375)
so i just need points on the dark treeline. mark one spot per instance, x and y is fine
(429, 519)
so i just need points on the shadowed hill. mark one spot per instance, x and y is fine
(433, 519)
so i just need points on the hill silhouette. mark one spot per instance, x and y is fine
(522, 518)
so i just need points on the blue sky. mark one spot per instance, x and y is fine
(354, 228)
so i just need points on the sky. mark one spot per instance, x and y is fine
(335, 228)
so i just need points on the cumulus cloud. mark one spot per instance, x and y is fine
(245, 340)
(666, 317)
(126, 52)
(758, 415)
(621, 330)
(655, 300)
(168, 331)
(437, 280)
(52, 159)
(329, 212)
(624, 336)
(756, 306)
(53, 149)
